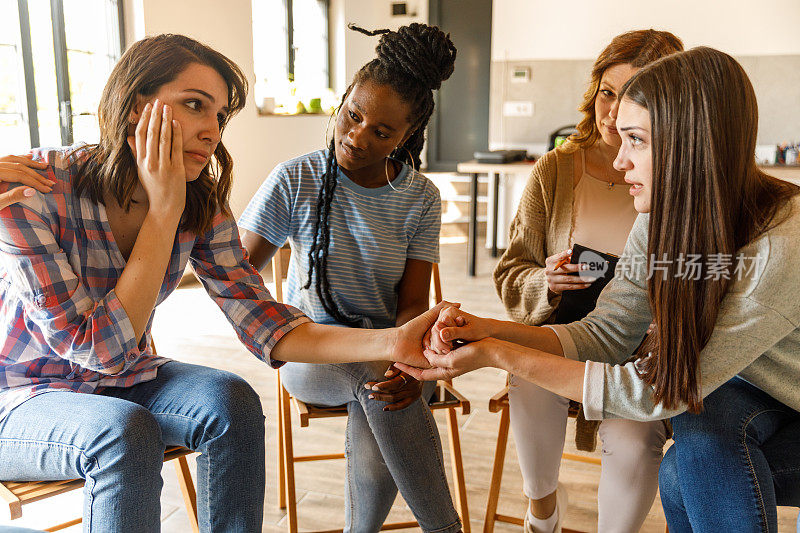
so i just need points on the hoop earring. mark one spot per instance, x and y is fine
(410, 157)
(386, 168)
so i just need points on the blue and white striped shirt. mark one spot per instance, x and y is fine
(373, 232)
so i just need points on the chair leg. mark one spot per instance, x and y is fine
(65, 525)
(288, 461)
(458, 469)
(187, 488)
(281, 451)
(497, 471)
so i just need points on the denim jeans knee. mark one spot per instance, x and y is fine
(725, 477)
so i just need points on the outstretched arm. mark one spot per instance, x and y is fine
(319, 343)
(456, 324)
(552, 372)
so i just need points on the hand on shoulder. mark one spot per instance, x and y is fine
(21, 170)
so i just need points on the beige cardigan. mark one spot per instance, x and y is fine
(541, 228)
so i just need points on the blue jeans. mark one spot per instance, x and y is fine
(732, 464)
(115, 439)
(385, 450)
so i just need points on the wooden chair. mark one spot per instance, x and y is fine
(499, 403)
(18, 493)
(445, 398)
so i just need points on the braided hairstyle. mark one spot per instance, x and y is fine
(413, 61)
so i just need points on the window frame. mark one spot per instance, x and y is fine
(290, 48)
(61, 66)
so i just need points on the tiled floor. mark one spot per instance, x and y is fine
(189, 328)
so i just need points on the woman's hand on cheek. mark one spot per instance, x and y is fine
(158, 149)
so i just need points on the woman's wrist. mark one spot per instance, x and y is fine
(163, 217)
(495, 328)
(497, 356)
(390, 339)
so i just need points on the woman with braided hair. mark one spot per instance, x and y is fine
(363, 225)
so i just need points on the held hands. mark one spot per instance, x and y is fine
(448, 362)
(158, 149)
(21, 169)
(557, 268)
(452, 325)
(399, 391)
(407, 344)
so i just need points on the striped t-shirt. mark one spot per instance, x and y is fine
(373, 232)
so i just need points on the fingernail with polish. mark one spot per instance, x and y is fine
(28, 192)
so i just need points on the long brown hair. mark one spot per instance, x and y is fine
(637, 48)
(708, 197)
(145, 67)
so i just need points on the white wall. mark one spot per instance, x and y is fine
(579, 29)
(372, 15)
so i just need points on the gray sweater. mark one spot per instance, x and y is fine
(757, 334)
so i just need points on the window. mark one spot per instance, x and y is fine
(53, 68)
(13, 112)
(290, 55)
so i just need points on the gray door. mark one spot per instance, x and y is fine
(460, 123)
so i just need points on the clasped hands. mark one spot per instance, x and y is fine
(455, 344)
(426, 349)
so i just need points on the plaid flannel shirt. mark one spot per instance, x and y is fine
(62, 319)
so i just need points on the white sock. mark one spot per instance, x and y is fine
(543, 525)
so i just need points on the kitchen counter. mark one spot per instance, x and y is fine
(784, 172)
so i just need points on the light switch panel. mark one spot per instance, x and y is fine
(518, 108)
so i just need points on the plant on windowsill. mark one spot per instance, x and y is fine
(290, 102)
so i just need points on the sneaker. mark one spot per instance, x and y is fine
(562, 502)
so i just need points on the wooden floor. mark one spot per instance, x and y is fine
(189, 328)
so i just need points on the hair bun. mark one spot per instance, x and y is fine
(425, 52)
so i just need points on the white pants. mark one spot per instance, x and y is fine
(632, 453)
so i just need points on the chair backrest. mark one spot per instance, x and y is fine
(277, 272)
(278, 275)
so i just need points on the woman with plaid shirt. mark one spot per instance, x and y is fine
(83, 267)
